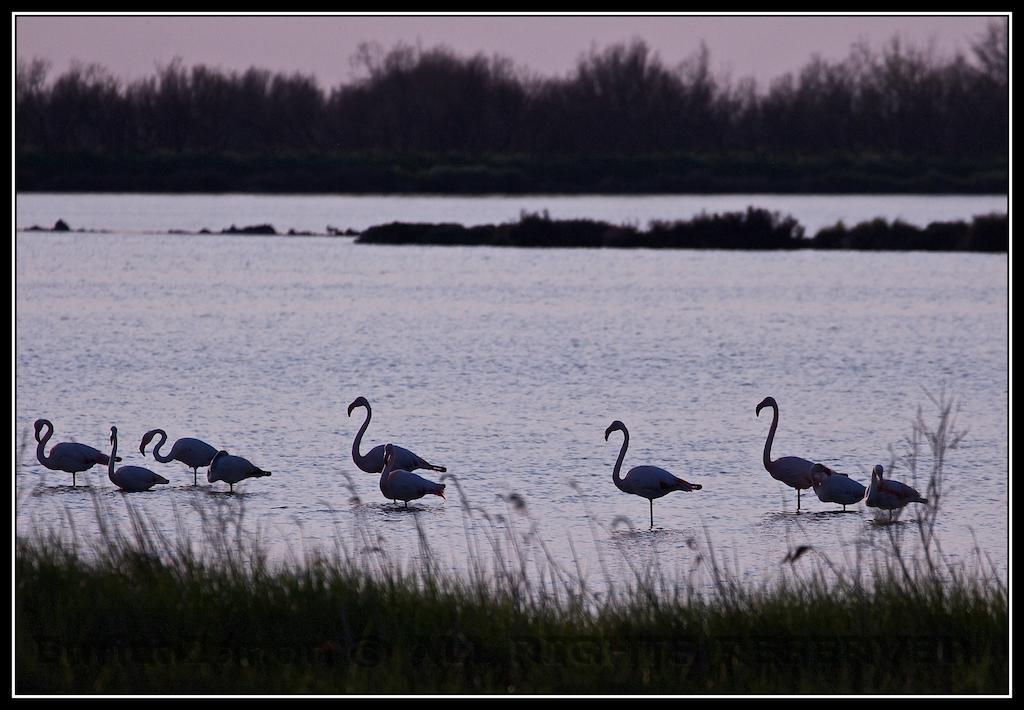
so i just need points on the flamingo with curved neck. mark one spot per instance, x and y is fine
(194, 453)
(68, 456)
(890, 495)
(373, 460)
(648, 482)
(834, 487)
(794, 471)
(232, 469)
(401, 484)
(131, 479)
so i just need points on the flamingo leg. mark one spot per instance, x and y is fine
(74, 483)
(798, 500)
(651, 501)
(232, 487)
(195, 476)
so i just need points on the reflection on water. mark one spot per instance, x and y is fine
(507, 366)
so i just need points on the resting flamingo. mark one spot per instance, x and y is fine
(132, 479)
(649, 482)
(232, 469)
(67, 456)
(400, 484)
(373, 461)
(794, 471)
(834, 487)
(191, 452)
(890, 495)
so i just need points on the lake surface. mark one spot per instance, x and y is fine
(506, 366)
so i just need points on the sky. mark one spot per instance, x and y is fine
(758, 47)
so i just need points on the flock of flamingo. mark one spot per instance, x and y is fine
(398, 482)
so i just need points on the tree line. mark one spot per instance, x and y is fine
(622, 99)
(756, 228)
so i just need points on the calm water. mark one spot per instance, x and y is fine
(505, 365)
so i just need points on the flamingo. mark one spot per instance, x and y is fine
(649, 482)
(791, 470)
(67, 456)
(373, 461)
(834, 487)
(191, 452)
(400, 484)
(890, 495)
(232, 469)
(133, 479)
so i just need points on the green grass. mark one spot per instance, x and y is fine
(141, 612)
(130, 623)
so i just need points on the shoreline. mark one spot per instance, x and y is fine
(756, 229)
(489, 174)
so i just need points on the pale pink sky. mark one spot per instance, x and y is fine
(761, 47)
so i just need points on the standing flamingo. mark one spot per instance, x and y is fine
(791, 470)
(834, 487)
(373, 461)
(401, 484)
(890, 495)
(232, 469)
(133, 479)
(67, 456)
(191, 452)
(650, 482)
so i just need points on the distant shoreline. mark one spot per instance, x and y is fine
(753, 229)
(461, 174)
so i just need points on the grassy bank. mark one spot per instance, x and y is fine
(131, 624)
(455, 173)
(754, 229)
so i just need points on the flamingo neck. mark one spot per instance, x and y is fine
(210, 474)
(41, 446)
(869, 497)
(616, 478)
(113, 457)
(363, 462)
(385, 472)
(771, 437)
(156, 449)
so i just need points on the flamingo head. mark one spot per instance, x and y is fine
(113, 434)
(877, 471)
(146, 438)
(40, 423)
(766, 402)
(389, 454)
(358, 402)
(819, 472)
(614, 426)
